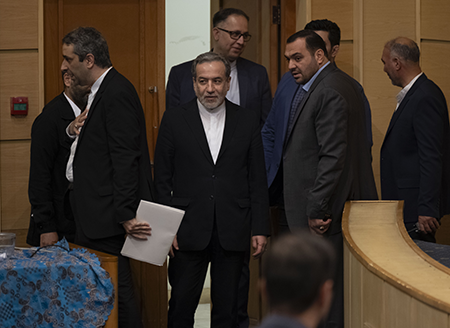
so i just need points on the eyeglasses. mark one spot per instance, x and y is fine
(236, 35)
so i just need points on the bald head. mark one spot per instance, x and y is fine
(401, 60)
(405, 49)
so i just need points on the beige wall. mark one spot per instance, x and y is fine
(366, 25)
(21, 75)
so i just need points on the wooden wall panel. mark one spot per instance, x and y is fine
(15, 165)
(372, 296)
(423, 315)
(435, 63)
(397, 308)
(339, 11)
(434, 20)
(18, 24)
(19, 77)
(344, 59)
(381, 25)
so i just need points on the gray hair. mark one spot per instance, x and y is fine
(404, 48)
(209, 57)
(87, 40)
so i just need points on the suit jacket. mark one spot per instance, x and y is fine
(230, 195)
(326, 160)
(254, 87)
(274, 130)
(111, 167)
(415, 153)
(50, 148)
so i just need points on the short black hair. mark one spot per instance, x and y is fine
(87, 40)
(334, 32)
(223, 14)
(312, 39)
(295, 268)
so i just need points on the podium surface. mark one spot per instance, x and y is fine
(388, 280)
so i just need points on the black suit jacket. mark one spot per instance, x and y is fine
(111, 167)
(50, 148)
(254, 87)
(232, 192)
(326, 160)
(415, 155)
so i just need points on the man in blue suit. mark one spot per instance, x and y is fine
(249, 86)
(415, 152)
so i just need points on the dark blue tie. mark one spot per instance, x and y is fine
(299, 95)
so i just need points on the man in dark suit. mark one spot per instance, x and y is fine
(50, 149)
(297, 281)
(209, 162)
(323, 147)
(109, 163)
(415, 152)
(249, 89)
(249, 81)
(331, 34)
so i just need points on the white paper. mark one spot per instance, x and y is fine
(164, 221)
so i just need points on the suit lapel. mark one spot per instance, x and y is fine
(66, 112)
(304, 101)
(404, 102)
(194, 121)
(98, 96)
(231, 119)
(244, 82)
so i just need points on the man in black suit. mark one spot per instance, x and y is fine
(249, 89)
(415, 152)
(50, 149)
(249, 81)
(209, 162)
(109, 163)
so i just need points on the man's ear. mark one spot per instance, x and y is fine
(320, 56)
(397, 63)
(216, 33)
(67, 80)
(334, 51)
(90, 61)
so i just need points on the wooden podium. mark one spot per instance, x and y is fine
(388, 280)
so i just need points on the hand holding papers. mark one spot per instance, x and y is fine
(164, 222)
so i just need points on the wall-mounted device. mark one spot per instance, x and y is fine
(19, 105)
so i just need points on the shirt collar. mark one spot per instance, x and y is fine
(311, 81)
(401, 95)
(96, 86)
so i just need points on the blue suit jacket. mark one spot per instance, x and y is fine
(254, 87)
(274, 130)
(415, 155)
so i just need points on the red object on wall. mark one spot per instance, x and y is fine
(19, 105)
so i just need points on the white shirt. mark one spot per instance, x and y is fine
(73, 148)
(75, 108)
(401, 95)
(213, 123)
(233, 94)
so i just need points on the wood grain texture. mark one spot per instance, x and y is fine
(19, 78)
(14, 170)
(401, 285)
(18, 24)
(434, 20)
(339, 11)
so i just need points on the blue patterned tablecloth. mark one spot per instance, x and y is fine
(54, 287)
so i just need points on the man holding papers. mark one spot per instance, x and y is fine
(209, 162)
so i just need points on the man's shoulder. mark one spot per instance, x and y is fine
(243, 63)
(182, 68)
(54, 107)
(425, 86)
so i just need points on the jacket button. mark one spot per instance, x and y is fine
(213, 176)
(211, 197)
